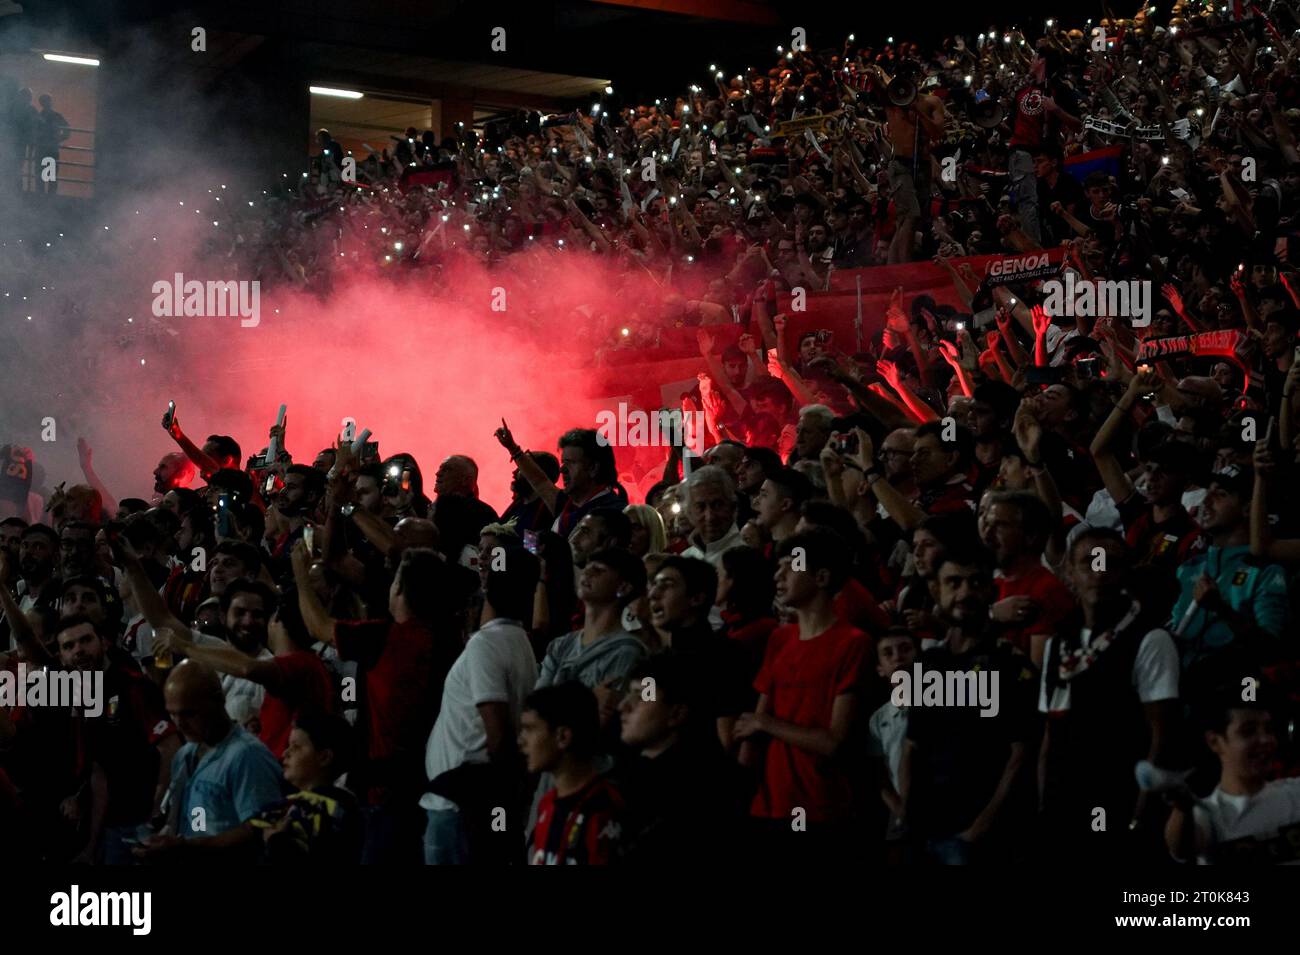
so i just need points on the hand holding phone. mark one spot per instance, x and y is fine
(169, 418)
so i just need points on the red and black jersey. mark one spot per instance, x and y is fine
(584, 828)
(948, 498)
(1031, 124)
(123, 740)
(1165, 544)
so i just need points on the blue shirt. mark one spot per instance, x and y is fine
(234, 781)
(1256, 590)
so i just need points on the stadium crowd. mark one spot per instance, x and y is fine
(315, 659)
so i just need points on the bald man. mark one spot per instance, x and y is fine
(458, 477)
(221, 777)
(174, 470)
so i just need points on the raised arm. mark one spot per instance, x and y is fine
(317, 619)
(206, 465)
(1117, 482)
(84, 453)
(223, 659)
(532, 472)
(147, 599)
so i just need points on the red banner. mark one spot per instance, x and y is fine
(835, 310)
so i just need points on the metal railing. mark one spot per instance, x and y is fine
(70, 157)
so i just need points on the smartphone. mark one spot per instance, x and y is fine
(1088, 367)
(370, 452)
(225, 526)
(530, 541)
(170, 415)
(1296, 353)
(269, 486)
(258, 462)
(406, 479)
(309, 538)
(847, 444)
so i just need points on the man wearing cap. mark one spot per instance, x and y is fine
(1232, 608)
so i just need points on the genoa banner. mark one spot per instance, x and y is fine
(864, 291)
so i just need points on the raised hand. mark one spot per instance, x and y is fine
(1264, 463)
(84, 453)
(706, 341)
(888, 371)
(1237, 285)
(866, 453)
(895, 317)
(1028, 431)
(1172, 296)
(506, 439)
(949, 352)
(1042, 321)
(831, 461)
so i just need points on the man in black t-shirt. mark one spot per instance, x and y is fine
(1056, 186)
(963, 770)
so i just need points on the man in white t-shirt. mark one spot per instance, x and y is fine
(1245, 821)
(1109, 690)
(482, 700)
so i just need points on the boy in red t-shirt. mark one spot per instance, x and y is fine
(809, 685)
(579, 818)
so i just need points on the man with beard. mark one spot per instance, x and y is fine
(174, 470)
(38, 580)
(128, 748)
(961, 774)
(246, 606)
(297, 503)
(527, 509)
(294, 679)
